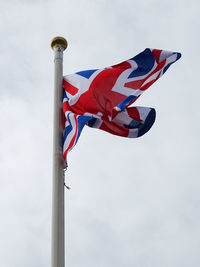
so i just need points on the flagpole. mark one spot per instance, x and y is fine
(58, 44)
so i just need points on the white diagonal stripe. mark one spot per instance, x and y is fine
(72, 132)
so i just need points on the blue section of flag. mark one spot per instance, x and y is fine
(133, 124)
(68, 129)
(178, 55)
(65, 95)
(91, 122)
(126, 101)
(145, 62)
(82, 120)
(86, 73)
(167, 67)
(149, 121)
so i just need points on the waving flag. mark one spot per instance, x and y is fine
(101, 98)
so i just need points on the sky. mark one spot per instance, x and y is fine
(133, 202)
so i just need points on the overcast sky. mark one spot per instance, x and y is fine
(133, 202)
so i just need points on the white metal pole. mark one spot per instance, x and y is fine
(58, 44)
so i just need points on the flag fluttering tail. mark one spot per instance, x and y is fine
(101, 98)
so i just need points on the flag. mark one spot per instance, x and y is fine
(101, 98)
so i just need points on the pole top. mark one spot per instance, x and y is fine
(59, 41)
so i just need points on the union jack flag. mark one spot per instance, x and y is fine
(101, 98)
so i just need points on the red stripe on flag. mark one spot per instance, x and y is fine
(134, 84)
(123, 65)
(72, 90)
(156, 53)
(65, 106)
(158, 68)
(114, 128)
(134, 113)
(147, 85)
(138, 84)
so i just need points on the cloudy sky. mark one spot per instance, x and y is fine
(133, 202)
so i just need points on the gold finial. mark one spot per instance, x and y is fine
(59, 41)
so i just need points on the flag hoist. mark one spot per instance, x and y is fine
(58, 44)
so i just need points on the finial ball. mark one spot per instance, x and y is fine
(59, 41)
